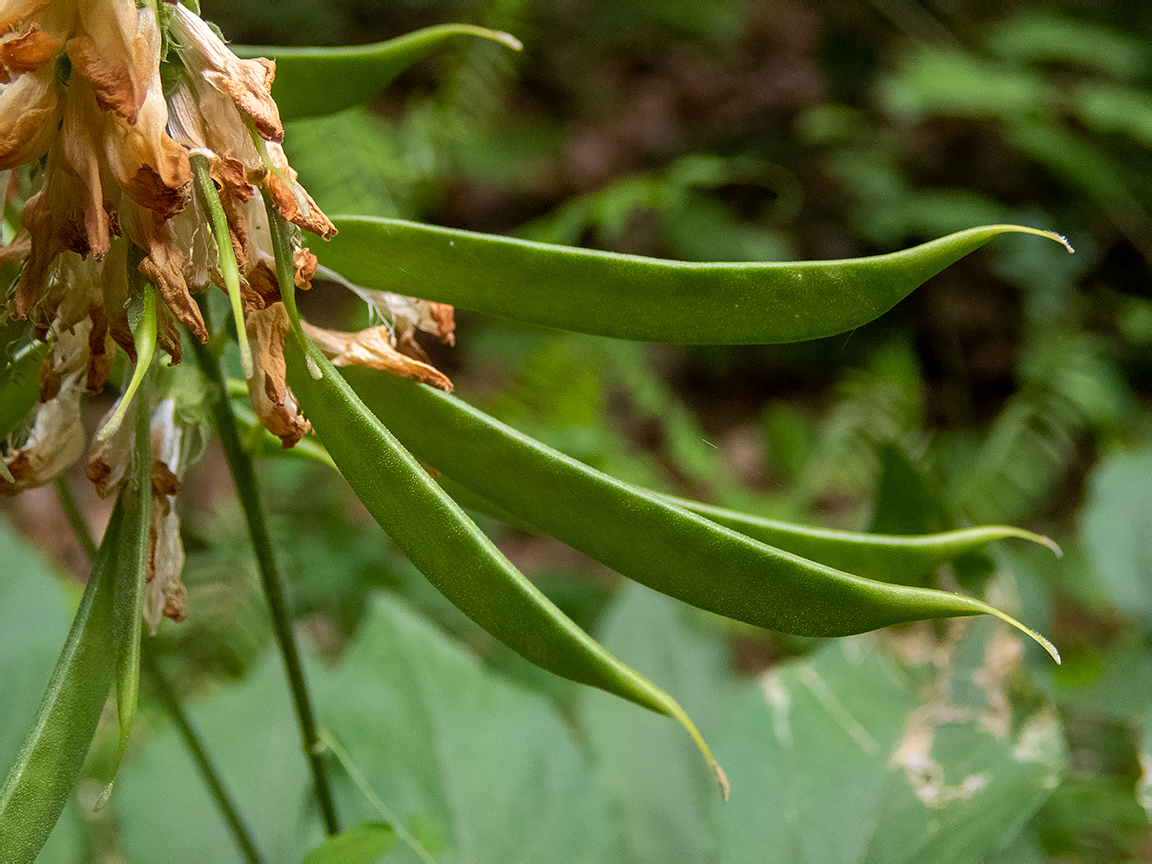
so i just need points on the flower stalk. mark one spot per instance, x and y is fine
(247, 490)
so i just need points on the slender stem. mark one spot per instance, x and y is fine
(167, 695)
(168, 699)
(75, 518)
(243, 475)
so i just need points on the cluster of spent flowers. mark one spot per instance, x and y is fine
(150, 163)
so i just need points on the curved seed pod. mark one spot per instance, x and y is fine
(642, 536)
(641, 299)
(452, 553)
(311, 82)
(886, 557)
(39, 783)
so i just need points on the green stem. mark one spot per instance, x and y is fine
(168, 699)
(244, 476)
(229, 269)
(75, 518)
(281, 233)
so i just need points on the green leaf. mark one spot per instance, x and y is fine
(921, 753)
(19, 387)
(630, 297)
(250, 730)
(647, 539)
(955, 84)
(480, 770)
(364, 844)
(314, 81)
(1043, 36)
(39, 783)
(452, 553)
(1115, 531)
(659, 797)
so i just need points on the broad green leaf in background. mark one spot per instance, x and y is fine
(165, 811)
(365, 844)
(636, 298)
(921, 752)
(314, 81)
(1114, 530)
(476, 768)
(875, 748)
(660, 797)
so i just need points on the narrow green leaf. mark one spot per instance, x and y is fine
(451, 552)
(644, 537)
(641, 299)
(311, 82)
(38, 785)
(364, 844)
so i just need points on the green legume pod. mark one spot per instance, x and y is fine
(639, 534)
(630, 297)
(39, 784)
(887, 557)
(312, 82)
(447, 547)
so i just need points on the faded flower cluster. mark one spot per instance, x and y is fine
(105, 106)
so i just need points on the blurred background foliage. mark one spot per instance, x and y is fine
(1012, 387)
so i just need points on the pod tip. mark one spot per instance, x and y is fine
(674, 710)
(722, 780)
(1039, 232)
(1051, 544)
(509, 40)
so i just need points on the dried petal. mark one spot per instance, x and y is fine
(247, 82)
(111, 457)
(373, 348)
(291, 200)
(79, 155)
(166, 266)
(273, 401)
(29, 50)
(151, 167)
(14, 11)
(30, 112)
(112, 54)
(54, 443)
(305, 264)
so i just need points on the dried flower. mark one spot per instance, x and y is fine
(107, 154)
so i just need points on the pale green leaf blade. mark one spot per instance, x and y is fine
(250, 730)
(474, 767)
(1114, 529)
(661, 798)
(364, 844)
(922, 753)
